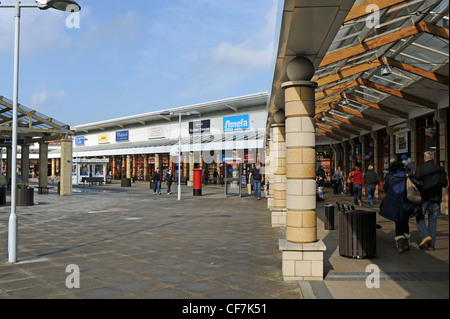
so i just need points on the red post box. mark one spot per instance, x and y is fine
(197, 182)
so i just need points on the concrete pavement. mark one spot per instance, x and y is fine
(129, 243)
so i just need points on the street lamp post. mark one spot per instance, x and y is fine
(63, 5)
(167, 113)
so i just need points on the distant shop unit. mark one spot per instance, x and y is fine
(233, 127)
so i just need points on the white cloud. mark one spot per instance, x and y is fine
(255, 52)
(44, 97)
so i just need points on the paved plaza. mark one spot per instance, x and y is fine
(129, 243)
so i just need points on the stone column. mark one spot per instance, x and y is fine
(128, 166)
(123, 171)
(302, 252)
(113, 168)
(269, 174)
(65, 180)
(133, 169)
(185, 165)
(25, 163)
(53, 167)
(43, 164)
(278, 139)
(145, 167)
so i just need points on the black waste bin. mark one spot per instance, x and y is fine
(125, 182)
(357, 234)
(329, 217)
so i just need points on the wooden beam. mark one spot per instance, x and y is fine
(383, 40)
(336, 89)
(340, 127)
(418, 71)
(334, 132)
(349, 122)
(330, 136)
(329, 100)
(323, 109)
(379, 107)
(402, 95)
(359, 10)
(360, 115)
(342, 74)
(434, 29)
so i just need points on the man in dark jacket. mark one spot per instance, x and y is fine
(156, 178)
(371, 180)
(433, 178)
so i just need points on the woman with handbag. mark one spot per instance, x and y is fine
(395, 205)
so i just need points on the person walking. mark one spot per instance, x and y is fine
(336, 180)
(371, 180)
(169, 179)
(341, 186)
(356, 178)
(433, 178)
(320, 178)
(395, 205)
(258, 178)
(156, 179)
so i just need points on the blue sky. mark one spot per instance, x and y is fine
(150, 56)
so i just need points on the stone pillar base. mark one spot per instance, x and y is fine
(269, 201)
(278, 216)
(302, 261)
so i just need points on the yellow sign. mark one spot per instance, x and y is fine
(104, 138)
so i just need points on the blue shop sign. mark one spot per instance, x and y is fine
(122, 136)
(79, 141)
(237, 122)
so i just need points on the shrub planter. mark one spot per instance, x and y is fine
(25, 196)
(2, 195)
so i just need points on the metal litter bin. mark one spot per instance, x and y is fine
(357, 234)
(329, 217)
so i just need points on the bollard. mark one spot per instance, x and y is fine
(329, 217)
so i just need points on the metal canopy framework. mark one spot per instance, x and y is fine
(32, 126)
(372, 77)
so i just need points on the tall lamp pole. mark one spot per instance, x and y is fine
(169, 113)
(62, 5)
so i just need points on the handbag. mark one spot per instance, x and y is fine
(249, 188)
(412, 192)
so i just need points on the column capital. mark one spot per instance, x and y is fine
(288, 84)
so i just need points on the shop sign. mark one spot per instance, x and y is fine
(401, 128)
(238, 122)
(156, 132)
(401, 143)
(197, 127)
(249, 157)
(79, 141)
(102, 139)
(122, 136)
